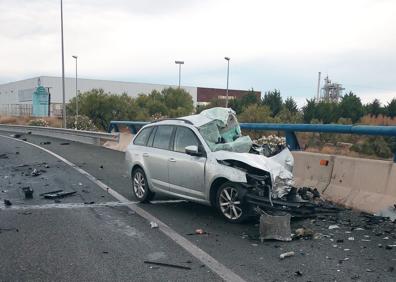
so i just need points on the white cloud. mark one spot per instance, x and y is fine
(272, 44)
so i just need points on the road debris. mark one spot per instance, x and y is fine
(58, 194)
(153, 224)
(65, 143)
(7, 202)
(15, 135)
(285, 255)
(28, 192)
(331, 227)
(200, 232)
(167, 264)
(3, 156)
(45, 143)
(35, 172)
(303, 232)
(275, 227)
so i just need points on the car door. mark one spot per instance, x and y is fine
(186, 172)
(157, 157)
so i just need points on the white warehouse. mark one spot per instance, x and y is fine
(16, 97)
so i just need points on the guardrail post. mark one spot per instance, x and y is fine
(291, 141)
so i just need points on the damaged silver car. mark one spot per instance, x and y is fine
(204, 158)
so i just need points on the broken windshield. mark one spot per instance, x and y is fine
(222, 131)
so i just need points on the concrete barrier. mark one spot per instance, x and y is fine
(312, 170)
(363, 184)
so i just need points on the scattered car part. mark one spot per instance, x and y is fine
(58, 195)
(167, 264)
(28, 192)
(285, 255)
(275, 227)
(7, 202)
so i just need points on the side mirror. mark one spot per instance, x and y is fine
(192, 150)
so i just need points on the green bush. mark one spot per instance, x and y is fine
(80, 123)
(38, 122)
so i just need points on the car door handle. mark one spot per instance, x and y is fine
(146, 155)
(172, 160)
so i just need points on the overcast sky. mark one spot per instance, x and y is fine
(272, 44)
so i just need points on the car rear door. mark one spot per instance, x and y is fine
(157, 156)
(186, 172)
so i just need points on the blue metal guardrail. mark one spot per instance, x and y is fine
(290, 129)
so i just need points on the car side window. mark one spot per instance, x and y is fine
(184, 137)
(142, 137)
(162, 137)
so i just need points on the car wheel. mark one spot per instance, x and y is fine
(140, 186)
(230, 202)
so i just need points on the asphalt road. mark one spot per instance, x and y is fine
(103, 241)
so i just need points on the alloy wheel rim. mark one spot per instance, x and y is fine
(230, 205)
(139, 185)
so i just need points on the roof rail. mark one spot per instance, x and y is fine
(179, 119)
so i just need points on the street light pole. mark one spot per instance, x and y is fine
(63, 71)
(228, 74)
(75, 57)
(179, 63)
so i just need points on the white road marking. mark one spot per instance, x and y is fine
(217, 267)
(62, 206)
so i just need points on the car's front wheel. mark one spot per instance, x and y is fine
(230, 202)
(140, 187)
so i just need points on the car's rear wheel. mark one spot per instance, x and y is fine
(230, 202)
(140, 187)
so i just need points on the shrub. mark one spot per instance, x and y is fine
(81, 123)
(38, 122)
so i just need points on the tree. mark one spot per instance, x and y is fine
(178, 101)
(391, 108)
(374, 109)
(291, 105)
(351, 107)
(256, 113)
(327, 112)
(309, 111)
(273, 100)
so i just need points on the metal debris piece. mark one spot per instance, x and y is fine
(28, 192)
(304, 233)
(58, 195)
(275, 227)
(285, 255)
(200, 232)
(51, 192)
(153, 224)
(167, 264)
(35, 172)
(331, 227)
(7, 202)
(15, 135)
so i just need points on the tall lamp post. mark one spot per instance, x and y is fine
(63, 71)
(179, 63)
(76, 120)
(228, 75)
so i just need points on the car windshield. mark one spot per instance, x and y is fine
(221, 131)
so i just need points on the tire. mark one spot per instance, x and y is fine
(140, 187)
(230, 203)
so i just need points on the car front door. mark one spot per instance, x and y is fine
(157, 156)
(186, 172)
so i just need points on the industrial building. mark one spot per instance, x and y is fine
(16, 98)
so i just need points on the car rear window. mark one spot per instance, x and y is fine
(162, 137)
(141, 138)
